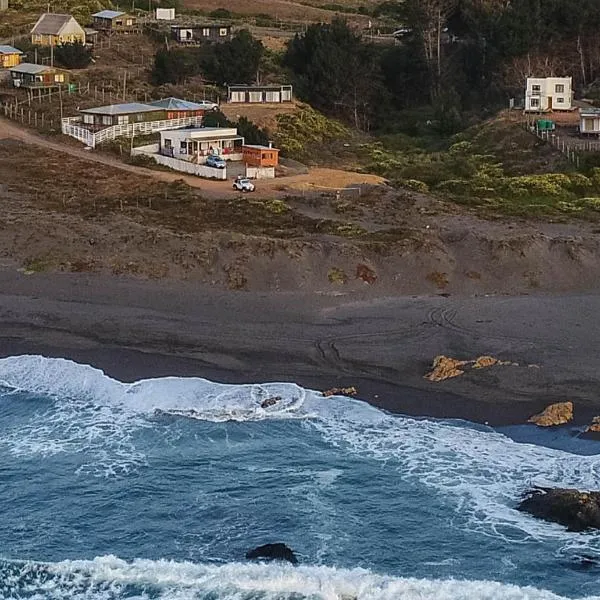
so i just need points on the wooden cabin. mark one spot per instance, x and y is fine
(197, 34)
(54, 29)
(122, 114)
(114, 21)
(179, 109)
(260, 156)
(32, 76)
(259, 94)
(9, 57)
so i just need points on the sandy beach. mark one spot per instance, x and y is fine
(135, 329)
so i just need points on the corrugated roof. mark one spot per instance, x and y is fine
(9, 50)
(50, 24)
(259, 147)
(108, 14)
(177, 104)
(31, 68)
(121, 109)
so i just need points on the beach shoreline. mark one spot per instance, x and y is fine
(134, 329)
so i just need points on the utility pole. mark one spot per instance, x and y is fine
(51, 55)
(124, 83)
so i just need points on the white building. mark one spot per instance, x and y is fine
(165, 14)
(195, 145)
(589, 121)
(549, 93)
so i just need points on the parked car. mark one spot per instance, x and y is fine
(207, 105)
(243, 184)
(216, 162)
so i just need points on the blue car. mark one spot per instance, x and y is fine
(216, 162)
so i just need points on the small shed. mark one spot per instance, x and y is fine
(589, 121)
(9, 57)
(260, 156)
(165, 14)
(178, 109)
(199, 33)
(32, 76)
(53, 29)
(259, 94)
(122, 114)
(91, 35)
(114, 21)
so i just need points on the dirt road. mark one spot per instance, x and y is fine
(313, 180)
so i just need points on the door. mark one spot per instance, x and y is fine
(549, 102)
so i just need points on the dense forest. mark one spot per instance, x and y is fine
(457, 57)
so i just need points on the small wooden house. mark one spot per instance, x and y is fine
(196, 34)
(260, 156)
(122, 114)
(259, 94)
(114, 21)
(9, 57)
(54, 29)
(32, 76)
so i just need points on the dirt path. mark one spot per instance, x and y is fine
(316, 179)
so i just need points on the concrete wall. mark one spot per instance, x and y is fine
(260, 172)
(183, 166)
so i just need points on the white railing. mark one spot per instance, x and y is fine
(126, 130)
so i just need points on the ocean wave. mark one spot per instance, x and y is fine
(109, 577)
(480, 472)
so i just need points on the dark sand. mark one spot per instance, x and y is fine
(136, 329)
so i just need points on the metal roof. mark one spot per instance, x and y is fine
(31, 69)
(267, 86)
(121, 109)
(259, 147)
(177, 104)
(590, 111)
(50, 24)
(108, 14)
(9, 50)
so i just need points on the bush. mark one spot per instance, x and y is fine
(73, 56)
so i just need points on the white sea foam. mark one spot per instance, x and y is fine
(480, 472)
(110, 577)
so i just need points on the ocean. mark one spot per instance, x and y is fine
(157, 489)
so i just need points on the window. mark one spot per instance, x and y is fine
(560, 100)
(223, 31)
(123, 119)
(59, 78)
(536, 88)
(118, 23)
(167, 143)
(107, 120)
(206, 32)
(534, 102)
(129, 22)
(559, 88)
(89, 119)
(183, 148)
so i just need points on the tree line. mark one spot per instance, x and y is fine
(456, 56)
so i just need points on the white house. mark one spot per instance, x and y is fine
(589, 121)
(549, 93)
(165, 14)
(196, 144)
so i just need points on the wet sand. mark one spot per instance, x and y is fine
(135, 329)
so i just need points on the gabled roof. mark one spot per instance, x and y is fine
(32, 69)
(51, 24)
(121, 109)
(176, 104)
(108, 14)
(9, 50)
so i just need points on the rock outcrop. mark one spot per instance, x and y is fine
(575, 510)
(270, 401)
(555, 414)
(347, 391)
(445, 367)
(276, 551)
(593, 430)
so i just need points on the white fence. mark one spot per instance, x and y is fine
(71, 126)
(151, 150)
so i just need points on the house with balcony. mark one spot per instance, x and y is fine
(548, 94)
(197, 34)
(114, 21)
(9, 57)
(195, 145)
(96, 125)
(259, 94)
(53, 29)
(30, 76)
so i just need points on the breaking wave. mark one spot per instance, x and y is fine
(109, 577)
